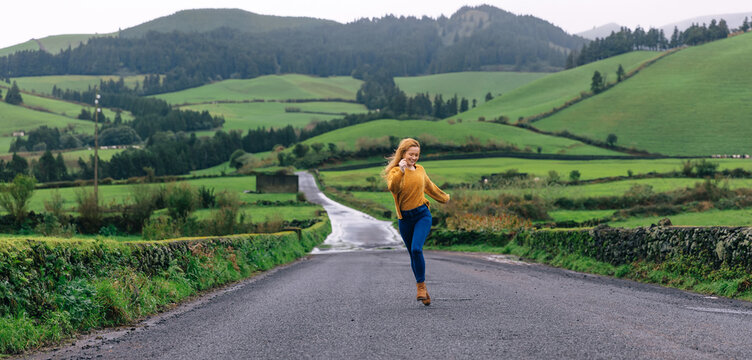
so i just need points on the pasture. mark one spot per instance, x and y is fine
(244, 116)
(460, 133)
(555, 89)
(67, 109)
(694, 102)
(468, 84)
(471, 170)
(44, 84)
(270, 87)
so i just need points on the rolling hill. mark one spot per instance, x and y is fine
(44, 84)
(693, 102)
(204, 20)
(445, 132)
(272, 87)
(555, 89)
(468, 84)
(52, 44)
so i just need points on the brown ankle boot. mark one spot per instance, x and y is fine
(423, 294)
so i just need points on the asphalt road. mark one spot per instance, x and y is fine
(361, 304)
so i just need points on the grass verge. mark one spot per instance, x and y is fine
(52, 289)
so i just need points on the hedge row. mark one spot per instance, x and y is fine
(57, 287)
(713, 246)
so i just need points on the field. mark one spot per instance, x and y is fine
(469, 84)
(44, 84)
(14, 118)
(244, 116)
(458, 133)
(694, 102)
(29, 45)
(741, 217)
(471, 170)
(271, 87)
(554, 90)
(116, 194)
(67, 109)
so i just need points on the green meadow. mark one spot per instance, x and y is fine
(471, 170)
(270, 87)
(469, 84)
(117, 194)
(555, 89)
(694, 102)
(244, 116)
(67, 109)
(29, 45)
(459, 133)
(15, 118)
(44, 84)
(740, 217)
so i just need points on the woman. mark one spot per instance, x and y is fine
(408, 181)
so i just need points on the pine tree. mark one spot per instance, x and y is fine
(620, 73)
(13, 96)
(597, 84)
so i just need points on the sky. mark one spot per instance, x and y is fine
(29, 19)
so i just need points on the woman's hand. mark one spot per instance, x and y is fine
(402, 165)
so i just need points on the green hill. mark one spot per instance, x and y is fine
(554, 90)
(271, 87)
(468, 84)
(44, 84)
(445, 132)
(202, 20)
(52, 44)
(244, 116)
(16, 118)
(693, 102)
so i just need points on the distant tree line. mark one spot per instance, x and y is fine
(400, 46)
(627, 40)
(379, 92)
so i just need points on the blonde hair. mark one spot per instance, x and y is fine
(394, 160)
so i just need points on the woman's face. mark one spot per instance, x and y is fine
(411, 155)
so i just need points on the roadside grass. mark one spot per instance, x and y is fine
(468, 84)
(263, 213)
(244, 116)
(270, 87)
(44, 84)
(459, 133)
(694, 102)
(554, 90)
(681, 273)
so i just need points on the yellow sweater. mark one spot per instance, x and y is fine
(408, 188)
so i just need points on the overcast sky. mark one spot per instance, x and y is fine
(26, 19)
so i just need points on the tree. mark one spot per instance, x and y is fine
(1, 94)
(14, 197)
(598, 83)
(574, 176)
(13, 96)
(463, 105)
(611, 139)
(235, 159)
(489, 97)
(620, 73)
(317, 147)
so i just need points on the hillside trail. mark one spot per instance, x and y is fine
(351, 229)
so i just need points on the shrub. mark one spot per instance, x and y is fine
(14, 197)
(143, 203)
(90, 213)
(159, 229)
(206, 197)
(226, 219)
(51, 226)
(180, 200)
(54, 205)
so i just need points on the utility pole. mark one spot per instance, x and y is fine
(96, 148)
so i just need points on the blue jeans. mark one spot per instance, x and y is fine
(414, 227)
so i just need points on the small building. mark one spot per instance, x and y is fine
(276, 183)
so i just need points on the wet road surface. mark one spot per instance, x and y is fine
(361, 304)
